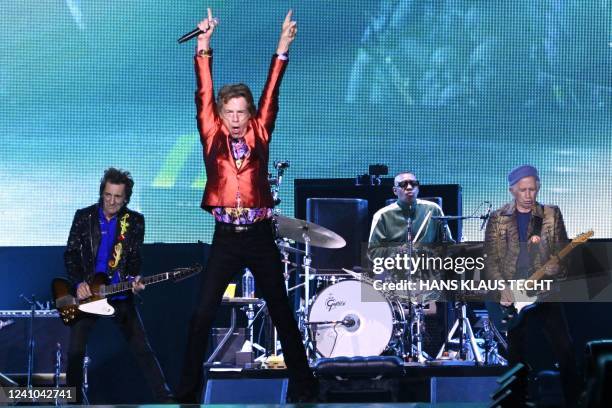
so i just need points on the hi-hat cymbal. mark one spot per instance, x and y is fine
(319, 236)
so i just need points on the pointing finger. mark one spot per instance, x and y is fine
(288, 17)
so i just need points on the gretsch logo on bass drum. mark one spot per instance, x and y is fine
(332, 303)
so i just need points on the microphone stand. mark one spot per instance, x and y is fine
(32, 303)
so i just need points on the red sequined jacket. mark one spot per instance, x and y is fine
(224, 179)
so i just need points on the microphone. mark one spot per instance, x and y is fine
(486, 216)
(281, 164)
(195, 33)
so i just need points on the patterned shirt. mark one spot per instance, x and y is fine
(240, 215)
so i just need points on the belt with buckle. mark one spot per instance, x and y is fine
(233, 228)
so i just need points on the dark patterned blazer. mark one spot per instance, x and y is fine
(84, 240)
(501, 244)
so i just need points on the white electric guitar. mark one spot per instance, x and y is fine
(521, 298)
(70, 308)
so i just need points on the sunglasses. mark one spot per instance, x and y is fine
(404, 184)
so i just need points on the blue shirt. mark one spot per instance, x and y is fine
(107, 233)
(523, 262)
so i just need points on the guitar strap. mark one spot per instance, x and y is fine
(537, 225)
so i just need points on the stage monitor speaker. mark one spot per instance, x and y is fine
(49, 331)
(462, 389)
(246, 391)
(347, 217)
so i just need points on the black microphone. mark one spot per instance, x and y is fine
(194, 33)
(486, 216)
(281, 164)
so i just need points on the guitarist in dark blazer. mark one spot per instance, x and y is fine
(107, 238)
(521, 237)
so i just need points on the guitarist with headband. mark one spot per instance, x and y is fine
(107, 238)
(521, 237)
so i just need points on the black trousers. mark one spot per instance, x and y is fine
(551, 318)
(130, 324)
(231, 252)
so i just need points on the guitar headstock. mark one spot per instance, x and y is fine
(178, 274)
(584, 237)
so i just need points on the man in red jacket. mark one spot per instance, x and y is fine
(235, 137)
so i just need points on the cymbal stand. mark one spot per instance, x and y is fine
(307, 261)
(282, 243)
(416, 349)
(416, 336)
(280, 166)
(465, 336)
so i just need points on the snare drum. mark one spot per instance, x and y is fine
(351, 318)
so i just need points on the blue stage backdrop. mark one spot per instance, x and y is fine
(457, 91)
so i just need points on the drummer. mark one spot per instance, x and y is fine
(408, 216)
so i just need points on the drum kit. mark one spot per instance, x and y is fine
(347, 316)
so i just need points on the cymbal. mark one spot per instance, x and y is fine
(319, 236)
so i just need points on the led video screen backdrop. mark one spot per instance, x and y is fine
(456, 91)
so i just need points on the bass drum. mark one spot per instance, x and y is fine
(351, 318)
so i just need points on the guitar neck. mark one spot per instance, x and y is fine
(539, 274)
(125, 286)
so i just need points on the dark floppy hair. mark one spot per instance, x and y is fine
(117, 176)
(236, 91)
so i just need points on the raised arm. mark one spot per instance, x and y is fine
(207, 117)
(268, 102)
(287, 35)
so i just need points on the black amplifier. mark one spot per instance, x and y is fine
(49, 334)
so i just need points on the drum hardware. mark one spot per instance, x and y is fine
(417, 323)
(275, 182)
(444, 219)
(465, 338)
(351, 318)
(233, 303)
(310, 234)
(252, 316)
(491, 340)
(351, 322)
(305, 232)
(284, 246)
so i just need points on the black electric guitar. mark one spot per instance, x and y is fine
(511, 313)
(70, 308)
